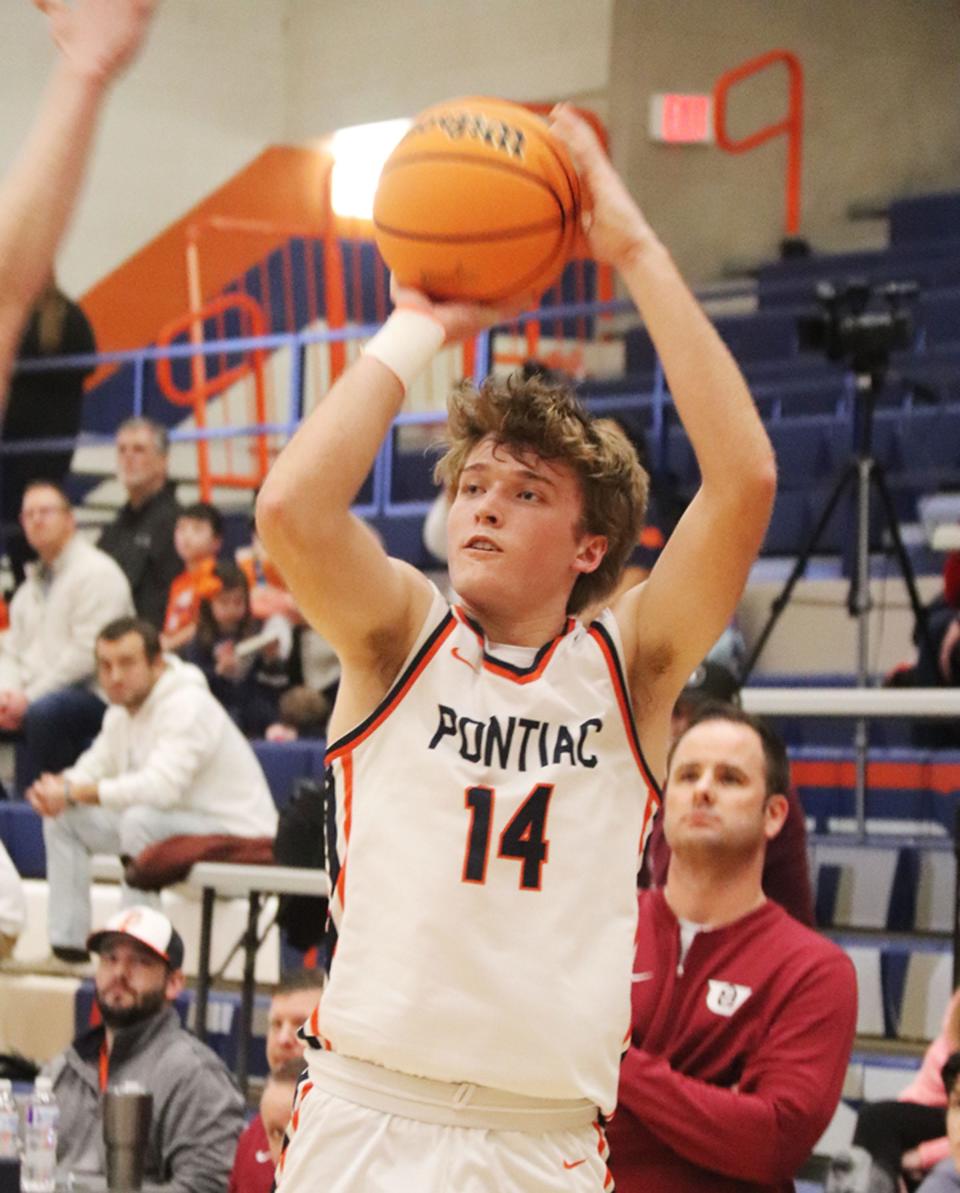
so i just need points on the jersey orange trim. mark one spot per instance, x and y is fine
(352, 739)
(508, 670)
(602, 639)
(347, 764)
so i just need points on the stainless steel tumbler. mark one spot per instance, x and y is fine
(127, 1109)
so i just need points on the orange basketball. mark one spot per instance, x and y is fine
(478, 202)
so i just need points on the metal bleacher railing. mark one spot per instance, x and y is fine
(377, 494)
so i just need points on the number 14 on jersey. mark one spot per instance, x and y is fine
(523, 838)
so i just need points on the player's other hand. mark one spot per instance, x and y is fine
(98, 37)
(612, 222)
(461, 320)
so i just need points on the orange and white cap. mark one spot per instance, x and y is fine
(146, 925)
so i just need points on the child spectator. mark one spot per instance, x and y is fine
(198, 537)
(903, 1138)
(248, 683)
(945, 1177)
(269, 594)
(314, 669)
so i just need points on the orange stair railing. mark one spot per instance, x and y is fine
(203, 387)
(790, 127)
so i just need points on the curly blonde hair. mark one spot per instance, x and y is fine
(540, 416)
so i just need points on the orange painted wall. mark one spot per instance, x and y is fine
(283, 184)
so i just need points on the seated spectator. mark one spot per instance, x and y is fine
(42, 405)
(247, 684)
(168, 761)
(140, 538)
(198, 537)
(301, 712)
(13, 904)
(269, 594)
(742, 1019)
(47, 691)
(258, 1148)
(276, 1104)
(937, 659)
(314, 668)
(786, 869)
(197, 1107)
(945, 1177)
(905, 1137)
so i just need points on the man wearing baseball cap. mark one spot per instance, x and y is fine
(197, 1107)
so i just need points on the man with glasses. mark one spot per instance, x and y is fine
(47, 657)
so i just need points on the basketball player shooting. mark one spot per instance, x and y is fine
(496, 763)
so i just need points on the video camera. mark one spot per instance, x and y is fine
(848, 328)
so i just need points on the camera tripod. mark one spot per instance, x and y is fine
(863, 474)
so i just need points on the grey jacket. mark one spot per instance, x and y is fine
(197, 1107)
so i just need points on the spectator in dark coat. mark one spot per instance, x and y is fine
(140, 538)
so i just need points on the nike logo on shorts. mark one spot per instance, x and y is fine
(573, 1163)
(646, 976)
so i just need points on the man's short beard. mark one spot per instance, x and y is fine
(148, 1005)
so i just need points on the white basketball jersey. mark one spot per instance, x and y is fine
(490, 814)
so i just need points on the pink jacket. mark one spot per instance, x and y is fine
(927, 1088)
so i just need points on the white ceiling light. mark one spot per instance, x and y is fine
(358, 156)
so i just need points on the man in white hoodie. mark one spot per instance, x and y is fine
(167, 761)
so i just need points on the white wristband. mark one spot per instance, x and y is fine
(406, 344)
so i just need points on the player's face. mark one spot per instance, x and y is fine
(715, 802)
(288, 1013)
(514, 533)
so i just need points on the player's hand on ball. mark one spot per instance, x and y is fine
(613, 223)
(98, 37)
(461, 320)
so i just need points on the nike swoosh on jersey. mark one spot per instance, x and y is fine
(261, 1157)
(459, 657)
(573, 1163)
(642, 977)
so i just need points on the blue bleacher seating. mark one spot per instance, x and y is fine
(924, 218)
(803, 450)
(765, 336)
(21, 830)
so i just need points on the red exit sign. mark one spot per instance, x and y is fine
(681, 119)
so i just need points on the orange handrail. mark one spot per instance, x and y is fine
(204, 387)
(791, 126)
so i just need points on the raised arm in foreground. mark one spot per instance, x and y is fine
(670, 622)
(95, 39)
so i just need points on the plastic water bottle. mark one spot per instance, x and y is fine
(9, 1122)
(38, 1167)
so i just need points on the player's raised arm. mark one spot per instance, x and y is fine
(671, 621)
(368, 606)
(96, 39)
